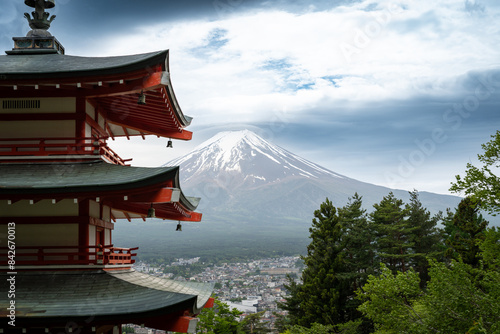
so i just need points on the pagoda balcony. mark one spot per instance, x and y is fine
(86, 257)
(58, 148)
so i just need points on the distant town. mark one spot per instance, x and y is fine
(250, 287)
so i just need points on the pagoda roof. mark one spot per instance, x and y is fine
(38, 66)
(55, 297)
(111, 84)
(124, 188)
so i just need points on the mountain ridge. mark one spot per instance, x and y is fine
(240, 171)
(257, 199)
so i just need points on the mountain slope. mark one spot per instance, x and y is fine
(257, 200)
(239, 172)
(249, 159)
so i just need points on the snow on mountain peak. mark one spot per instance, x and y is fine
(247, 158)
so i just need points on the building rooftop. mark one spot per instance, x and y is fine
(78, 295)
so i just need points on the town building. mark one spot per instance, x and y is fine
(62, 189)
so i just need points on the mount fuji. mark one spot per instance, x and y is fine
(238, 172)
(257, 199)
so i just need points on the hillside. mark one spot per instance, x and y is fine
(256, 196)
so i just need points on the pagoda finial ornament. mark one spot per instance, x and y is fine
(38, 40)
(40, 22)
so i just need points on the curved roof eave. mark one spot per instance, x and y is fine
(95, 176)
(136, 295)
(51, 66)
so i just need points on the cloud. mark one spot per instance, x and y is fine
(365, 79)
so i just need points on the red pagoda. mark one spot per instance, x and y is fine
(62, 189)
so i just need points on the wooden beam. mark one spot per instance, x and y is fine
(95, 125)
(154, 130)
(163, 195)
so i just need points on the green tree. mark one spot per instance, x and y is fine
(339, 259)
(359, 258)
(322, 293)
(459, 295)
(315, 329)
(292, 302)
(252, 324)
(481, 183)
(127, 329)
(457, 298)
(464, 232)
(391, 301)
(393, 233)
(490, 249)
(281, 322)
(359, 255)
(425, 237)
(219, 320)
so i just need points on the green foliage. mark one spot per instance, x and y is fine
(219, 319)
(359, 238)
(127, 329)
(426, 238)
(281, 322)
(292, 302)
(358, 257)
(482, 184)
(490, 249)
(391, 301)
(459, 294)
(314, 329)
(457, 297)
(350, 327)
(339, 259)
(320, 293)
(394, 239)
(253, 324)
(464, 232)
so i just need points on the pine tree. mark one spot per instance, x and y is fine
(393, 233)
(321, 291)
(252, 324)
(359, 254)
(292, 301)
(339, 260)
(426, 237)
(464, 231)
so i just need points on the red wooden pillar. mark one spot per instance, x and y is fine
(80, 118)
(83, 229)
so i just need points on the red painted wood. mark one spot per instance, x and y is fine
(70, 255)
(210, 303)
(83, 228)
(85, 146)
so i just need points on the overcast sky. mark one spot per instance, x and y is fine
(395, 93)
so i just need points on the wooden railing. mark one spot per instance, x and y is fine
(67, 255)
(58, 147)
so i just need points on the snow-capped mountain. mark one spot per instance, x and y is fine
(239, 173)
(256, 198)
(247, 159)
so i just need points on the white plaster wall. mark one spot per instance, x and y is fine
(89, 109)
(46, 235)
(94, 209)
(106, 213)
(37, 129)
(92, 233)
(44, 208)
(107, 236)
